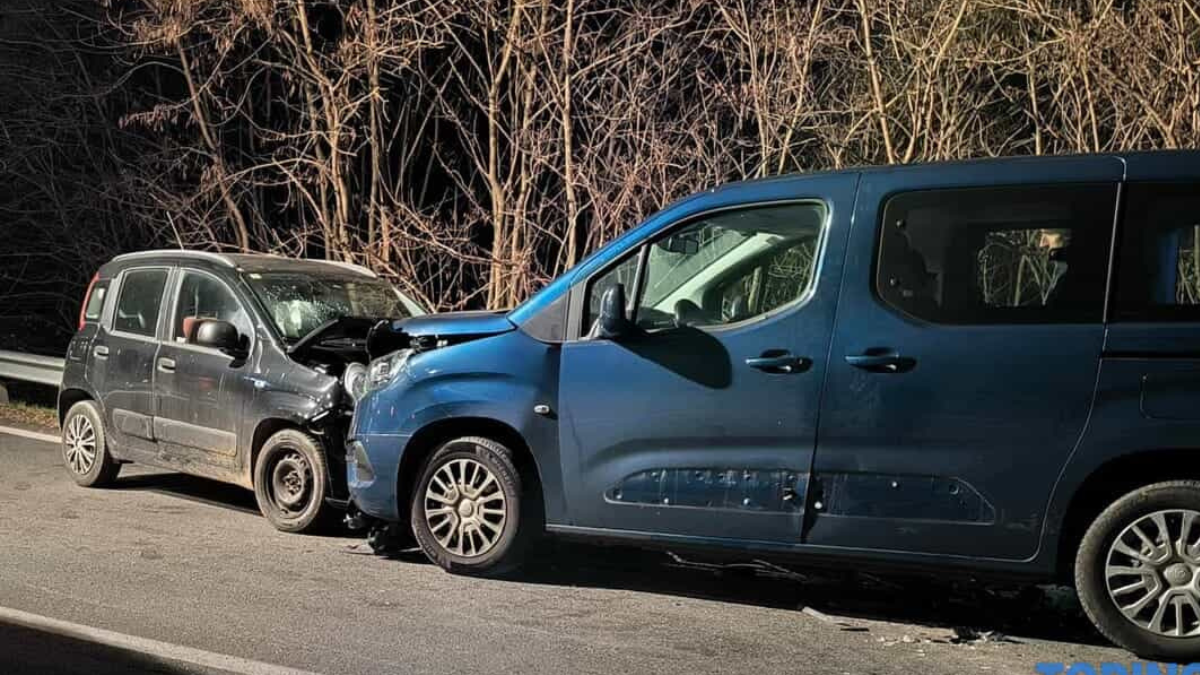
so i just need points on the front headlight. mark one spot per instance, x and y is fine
(354, 381)
(383, 369)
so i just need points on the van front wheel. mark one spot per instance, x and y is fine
(467, 510)
(1138, 571)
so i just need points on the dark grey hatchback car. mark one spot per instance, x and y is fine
(230, 367)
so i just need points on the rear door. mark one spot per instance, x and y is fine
(965, 356)
(122, 358)
(201, 392)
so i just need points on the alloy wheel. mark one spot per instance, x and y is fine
(79, 444)
(465, 508)
(1152, 573)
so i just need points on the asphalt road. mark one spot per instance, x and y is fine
(191, 563)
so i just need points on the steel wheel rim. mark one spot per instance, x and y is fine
(291, 483)
(79, 444)
(465, 508)
(1152, 573)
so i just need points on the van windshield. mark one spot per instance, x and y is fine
(300, 303)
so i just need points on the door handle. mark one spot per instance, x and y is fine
(166, 365)
(778, 361)
(881, 361)
(100, 351)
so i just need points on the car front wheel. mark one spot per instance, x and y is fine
(291, 482)
(469, 511)
(1138, 571)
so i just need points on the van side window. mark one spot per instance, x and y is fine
(731, 266)
(1030, 254)
(139, 302)
(1158, 272)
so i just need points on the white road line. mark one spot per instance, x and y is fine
(162, 650)
(49, 438)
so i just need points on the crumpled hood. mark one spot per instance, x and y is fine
(450, 327)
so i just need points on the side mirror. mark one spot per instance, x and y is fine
(614, 319)
(220, 335)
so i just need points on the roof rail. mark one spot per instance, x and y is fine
(345, 265)
(182, 253)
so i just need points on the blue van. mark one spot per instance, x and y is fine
(991, 367)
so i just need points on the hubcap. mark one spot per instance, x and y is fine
(465, 508)
(291, 482)
(79, 444)
(1153, 573)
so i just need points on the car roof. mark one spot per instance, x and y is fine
(242, 262)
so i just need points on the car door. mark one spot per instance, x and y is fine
(702, 424)
(201, 392)
(965, 357)
(123, 353)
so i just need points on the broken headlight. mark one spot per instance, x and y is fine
(354, 381)
(381, 370)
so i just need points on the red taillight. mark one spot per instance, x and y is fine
(86, 297)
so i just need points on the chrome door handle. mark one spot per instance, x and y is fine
(166, 365)
(100, 351)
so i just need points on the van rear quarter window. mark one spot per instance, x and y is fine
(1158, 272)
(1028, 254)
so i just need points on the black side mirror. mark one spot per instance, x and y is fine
(614, 320)
(220, 335)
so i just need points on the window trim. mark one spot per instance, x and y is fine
(169, 338)
(580, 290)
(886, 199)
(108, 319)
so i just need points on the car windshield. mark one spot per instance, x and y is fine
(300, 303)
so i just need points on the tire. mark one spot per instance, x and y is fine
(1158, 568)
(474, 538)
(85, 447)
(291, 481)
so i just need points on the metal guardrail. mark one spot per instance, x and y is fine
(47, 370)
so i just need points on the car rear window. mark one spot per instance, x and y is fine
(95, 301)
(139, 302)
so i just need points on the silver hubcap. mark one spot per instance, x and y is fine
(1153, 573)
(79, 444)
(465, 508)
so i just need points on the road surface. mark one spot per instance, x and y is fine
(189, 563)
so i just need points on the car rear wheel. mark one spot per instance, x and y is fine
(291, 481)
(85, 448)
(1138, 571)
(470, 512)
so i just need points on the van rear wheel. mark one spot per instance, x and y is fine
(1137, 571)
(469, 510)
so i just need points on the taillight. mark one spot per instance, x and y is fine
(86, 297)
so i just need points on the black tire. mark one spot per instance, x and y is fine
(291, 481)
(521, 523)
(1092, 584)
(100, 470)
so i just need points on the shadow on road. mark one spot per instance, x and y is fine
(192, 488)
(34, 652)
(954, 611)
